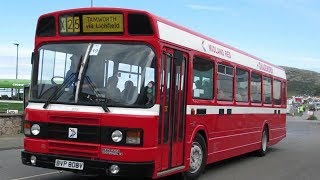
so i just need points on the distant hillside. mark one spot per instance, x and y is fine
(302, 82)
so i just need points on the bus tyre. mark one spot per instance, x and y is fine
(198, 158)
(264, 143)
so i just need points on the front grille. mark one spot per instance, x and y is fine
(91, 121)
(73, 149)
(89, 134)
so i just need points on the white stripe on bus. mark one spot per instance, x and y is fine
(186, 39)
(236, 109)
(154, 111)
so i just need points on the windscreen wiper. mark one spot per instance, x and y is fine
(97, 93)
(92, 86)
(63, 85)
(104, 107)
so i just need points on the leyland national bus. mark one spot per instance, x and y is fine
(123, 92)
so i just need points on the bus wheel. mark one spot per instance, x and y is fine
(198, 157)
(264, 143)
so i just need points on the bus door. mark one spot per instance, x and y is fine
(172, 108)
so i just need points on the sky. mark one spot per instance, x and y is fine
(282, 32)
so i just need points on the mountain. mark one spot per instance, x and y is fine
(302, 82)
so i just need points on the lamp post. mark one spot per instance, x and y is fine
(17, 44)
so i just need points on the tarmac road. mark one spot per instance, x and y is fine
(295, 158)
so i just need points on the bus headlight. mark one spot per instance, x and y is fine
(116, 136)
(133, 137)
(35, 129)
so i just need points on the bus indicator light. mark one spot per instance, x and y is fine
(133, 137)
(27, 128)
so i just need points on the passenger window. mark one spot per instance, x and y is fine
(276, 92)
(202, 78)
(225, 83)
(242, 85)
(267, 90)
(255, 88)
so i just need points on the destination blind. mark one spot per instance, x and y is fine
(91, 23)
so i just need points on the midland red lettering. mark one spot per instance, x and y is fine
(219, 51)
(265, 67)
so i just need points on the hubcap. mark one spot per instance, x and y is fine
(196, 157)
(264, 141)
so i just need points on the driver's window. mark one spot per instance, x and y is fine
(46, 68)
(53, 67)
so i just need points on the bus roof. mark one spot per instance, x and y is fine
(173, 33)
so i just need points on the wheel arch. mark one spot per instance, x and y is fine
(267, 126)
(202, 130)
(198, 131)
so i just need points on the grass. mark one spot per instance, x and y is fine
(4, 106)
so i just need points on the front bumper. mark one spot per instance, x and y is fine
(99, 167)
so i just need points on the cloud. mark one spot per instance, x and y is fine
(207, 8)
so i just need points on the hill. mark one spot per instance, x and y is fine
(302, 82)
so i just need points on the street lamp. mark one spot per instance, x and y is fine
(17, 44)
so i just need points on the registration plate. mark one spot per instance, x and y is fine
(69, 164)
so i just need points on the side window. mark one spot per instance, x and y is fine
(242, 85)
(276, 92)
(255, 88)
(202, 78)
(267, 90)
(225, 83)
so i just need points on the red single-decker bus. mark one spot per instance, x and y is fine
(123, 92)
